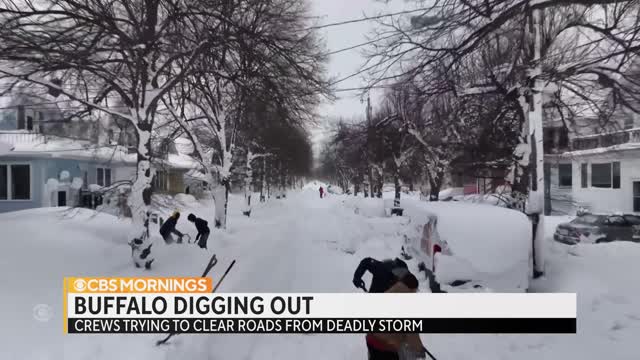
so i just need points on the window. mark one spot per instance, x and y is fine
(4, 182)
(563, 138)
(636, 195)
(25, 118)
(107, 177)
(606, 175)
(29, 121)
(15, 182)
(616, 220)
(21, 118)
(565, 175)
(104, 176)
(616, 175)
(584, 175)
(160, 181)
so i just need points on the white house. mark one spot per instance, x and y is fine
(50, 159)
(600, 173)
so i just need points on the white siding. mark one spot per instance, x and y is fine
(612, 199)
(122, 172)
(600, 199)
(561, 197)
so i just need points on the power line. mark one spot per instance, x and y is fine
(363, 88)
(366, 18)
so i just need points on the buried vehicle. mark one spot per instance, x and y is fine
(471, 247)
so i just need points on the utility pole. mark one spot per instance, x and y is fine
(536, 199)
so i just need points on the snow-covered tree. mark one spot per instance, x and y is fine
(99, 53)
(578, 45)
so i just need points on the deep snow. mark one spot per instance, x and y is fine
(479, 233)
(299, 244)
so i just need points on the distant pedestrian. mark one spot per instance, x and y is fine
(203, 230)
(169, 227)
(321, 192)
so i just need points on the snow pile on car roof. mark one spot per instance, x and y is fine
(491, 238)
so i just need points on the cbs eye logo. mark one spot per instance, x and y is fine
(80, 285)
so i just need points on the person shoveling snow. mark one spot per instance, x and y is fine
(390, 276)
(385, 273)
(203, 230)
(169, 227)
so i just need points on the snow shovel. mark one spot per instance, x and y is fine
(164, 341)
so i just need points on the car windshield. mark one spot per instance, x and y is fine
(632, 219)
(587, 219)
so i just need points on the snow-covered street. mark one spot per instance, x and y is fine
(299, 244)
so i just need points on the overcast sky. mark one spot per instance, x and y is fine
(348, 62)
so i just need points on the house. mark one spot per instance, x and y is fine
(57, 160)
(595, 166)
(600, 173)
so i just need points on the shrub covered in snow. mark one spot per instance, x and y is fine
(94, 187)
(77, 183)
(115, 202)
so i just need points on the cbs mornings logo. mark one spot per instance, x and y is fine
(42, 312)
(138, 285)
(80, 285)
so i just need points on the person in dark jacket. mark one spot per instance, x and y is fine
(390, 346)
(169, 227)
(321, 192)
(388, 276)
(203, 230)
(385, 273)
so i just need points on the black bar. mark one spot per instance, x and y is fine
(322, 325)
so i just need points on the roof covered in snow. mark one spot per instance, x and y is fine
(633, 146)
(38, 145)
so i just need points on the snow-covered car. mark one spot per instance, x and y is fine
(597, 228)
(466, 247)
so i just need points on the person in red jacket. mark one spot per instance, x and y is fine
(321, 192)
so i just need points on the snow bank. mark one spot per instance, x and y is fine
(185, 199)
(488, 199)
(449, 193)
(301, 244)
(315, 185)
(453, 268)
(369, 207)
(478, 233)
